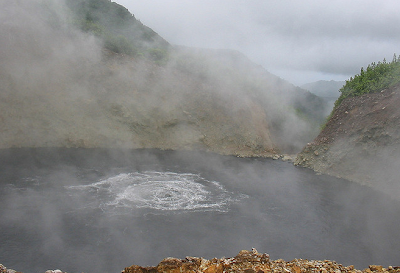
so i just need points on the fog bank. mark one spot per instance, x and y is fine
(61, 88)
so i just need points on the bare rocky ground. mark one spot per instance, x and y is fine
(360, 142)
(245, 262)
(251, 262)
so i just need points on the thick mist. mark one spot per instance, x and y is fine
(72, 111)
(46, 69)
(67, 205)
(62, 88)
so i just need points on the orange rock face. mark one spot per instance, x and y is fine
(251, 262)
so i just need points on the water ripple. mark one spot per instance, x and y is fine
(166, 191)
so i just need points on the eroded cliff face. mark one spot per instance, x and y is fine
(361, 142)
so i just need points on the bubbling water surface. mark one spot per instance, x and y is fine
(93, 210)
(165, 191)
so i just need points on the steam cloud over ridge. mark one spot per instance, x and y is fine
(62, 88)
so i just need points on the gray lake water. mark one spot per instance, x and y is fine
(93, 210)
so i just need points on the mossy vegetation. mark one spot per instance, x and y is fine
(119, 30)
(376, 77)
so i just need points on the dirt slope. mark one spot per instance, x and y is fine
(361, 142)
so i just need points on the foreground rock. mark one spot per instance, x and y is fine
(4, 269)
(360, 142)
(248, 262)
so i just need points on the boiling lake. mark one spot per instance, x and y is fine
(95, 210)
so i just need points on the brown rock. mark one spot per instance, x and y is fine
(376, 268)
(252, 262)
(139, 269)
(170, 265)
(214, 268)
(296, 269)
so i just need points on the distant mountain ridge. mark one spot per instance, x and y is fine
(325, 89)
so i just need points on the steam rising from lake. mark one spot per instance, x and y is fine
(90, 210)
(93, 210)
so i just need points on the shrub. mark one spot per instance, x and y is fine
(375, 78)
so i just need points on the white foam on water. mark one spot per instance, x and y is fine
(166, 191)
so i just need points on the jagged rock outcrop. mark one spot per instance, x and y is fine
(360, 142)
(4, 269)
(251, 262)
(246, 262)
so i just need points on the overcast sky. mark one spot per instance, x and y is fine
(300, 41)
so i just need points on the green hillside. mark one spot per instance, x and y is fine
(118, 28)
(376, 77)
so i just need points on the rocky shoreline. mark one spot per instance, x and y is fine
(246, 262)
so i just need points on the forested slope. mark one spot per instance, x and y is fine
(361, 139)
